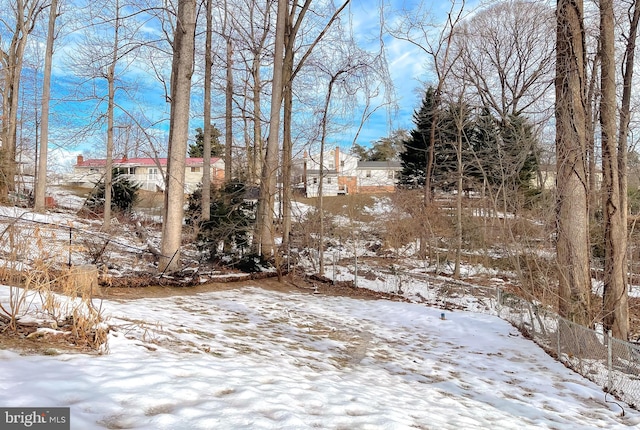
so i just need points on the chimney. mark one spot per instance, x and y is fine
(337, 160)
(80, 160)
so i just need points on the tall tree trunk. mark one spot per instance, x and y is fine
(111, 77)
(41, 178)
(181, 72)
(258, 147)
(264, 226)
(460, 183)
(287, 143)
(592, 114)
(206, 146)
(574, 283)
(323, 137)
(616, 304)
(228, 115)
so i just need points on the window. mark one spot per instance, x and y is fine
(328, 180)
(153, 172)
(368, 174)
(315, 180)
(331, 165)
(126, 170)
(391, 174)
(195, 169)
(342, 163)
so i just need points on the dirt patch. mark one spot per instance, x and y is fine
(289, 284)
(154, 290)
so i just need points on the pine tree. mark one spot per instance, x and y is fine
(196, 150)
(484, 144)
(124, 194)
(520, 147)
(415, 156)
(232, 219)
(445, 169)
(504, 152)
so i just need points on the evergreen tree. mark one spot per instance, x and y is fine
(484, 146)
(124, 194)
(520, 146)
(505, 151)
(445, 169)
(415, 156)
(360, 151)
(232, 219)
(384, 149)
(196, 150)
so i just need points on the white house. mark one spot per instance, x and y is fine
(378, 176)
(147, 172)
(343, 173)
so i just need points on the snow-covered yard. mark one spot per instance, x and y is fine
(254, 358)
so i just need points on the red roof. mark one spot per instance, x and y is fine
(132, 162)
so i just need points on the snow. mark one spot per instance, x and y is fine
(259, 359)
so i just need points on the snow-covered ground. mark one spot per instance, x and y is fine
(258, 359)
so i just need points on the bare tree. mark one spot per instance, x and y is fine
(252, 27)
(228, 92)
(572, 183)
(19, 24)
(41, 180)
(181, 73)
(507, 55)
(614, 167)
(264, 225)
(295, 18)
(110, 45)
(416, 28)
(344, 68)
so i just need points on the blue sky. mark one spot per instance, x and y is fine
(408, 68)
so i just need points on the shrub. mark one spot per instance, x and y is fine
(124, 194)
(232, 216)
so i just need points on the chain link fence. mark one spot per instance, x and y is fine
(611, 363)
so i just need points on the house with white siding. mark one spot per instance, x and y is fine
(343, 173)
(146, 172)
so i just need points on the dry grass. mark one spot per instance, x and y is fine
(351, 206)
(43, 296)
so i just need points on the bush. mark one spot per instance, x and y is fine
(232, 217)
(124, 195)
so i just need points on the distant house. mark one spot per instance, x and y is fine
(378, 176)
(147, 172)
(343, 173)
(546, 177)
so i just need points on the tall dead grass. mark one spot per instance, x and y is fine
(46, 297)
